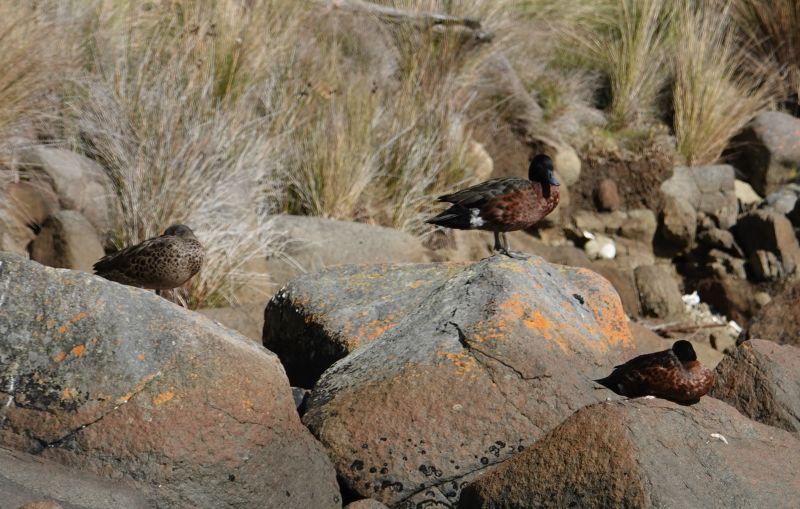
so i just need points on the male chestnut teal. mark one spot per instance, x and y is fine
(160, 263)
(674, 374)
(503, 204)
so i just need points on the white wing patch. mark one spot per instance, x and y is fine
(475, 219)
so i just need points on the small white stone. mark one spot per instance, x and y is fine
(719, 437)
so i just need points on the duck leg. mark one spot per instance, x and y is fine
(503, 248)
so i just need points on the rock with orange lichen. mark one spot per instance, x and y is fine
(318, 318)
(118, 382)
(494, 355)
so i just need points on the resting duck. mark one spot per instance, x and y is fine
(160, 263)
(503, 204)
(673, 374)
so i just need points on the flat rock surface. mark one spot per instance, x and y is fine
(497, 355)
(119, 382)
(25, 478)
(762, 380)
(648, 454)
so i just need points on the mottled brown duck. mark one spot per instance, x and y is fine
(161, 263)
(674, 374)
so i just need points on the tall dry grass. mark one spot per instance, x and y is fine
(772, 32)
(626, 40)
(714, 95)
(190, 126)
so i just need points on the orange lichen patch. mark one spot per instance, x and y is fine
(77, 318)
(536, 321)
(163, 397)
(374, 329)
(77, 351)
(68, 394)
(50, 323)
(513, 307)
(62, 329)
(611, 319)
(125, 397)
(39, 318)
(59, 357)
(463, 361)
(140, 356)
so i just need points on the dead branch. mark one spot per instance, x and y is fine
(424, 19)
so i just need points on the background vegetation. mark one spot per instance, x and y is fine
(219, 113)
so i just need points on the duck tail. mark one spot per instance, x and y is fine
(458, 218)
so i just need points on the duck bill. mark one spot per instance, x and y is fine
(552, 181)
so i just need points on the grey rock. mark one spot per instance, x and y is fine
(498, 354)
(678, 224)
(715, 238)
(308, 332)
(637, 224)
(313, 243)
(708, 189)
(770, 231)
(81, 184)
(648, 454)
(118, 381)
(768, 151)
(784, 199)
(28, 479)
(67, 240)
(761, 379)
(659, 293)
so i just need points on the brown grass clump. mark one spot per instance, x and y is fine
(713, 94)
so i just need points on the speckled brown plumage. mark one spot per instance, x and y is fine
(503, 204)
(673, 374)
(160, 263)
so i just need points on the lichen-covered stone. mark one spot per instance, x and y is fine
(493, 357)
(118, 381)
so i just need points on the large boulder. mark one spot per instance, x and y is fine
(767, 230)
(81, 184)
(492, 358)
(768, 151)
(708, 189)
(117, 381)
(67, 240)
(320, 318)
(779, 319)
(28, 479)
(648, 454)
(313, 243)
(762, 380)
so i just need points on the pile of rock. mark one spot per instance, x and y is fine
(58, 209)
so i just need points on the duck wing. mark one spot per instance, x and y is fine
(477, 195)
(124, 259)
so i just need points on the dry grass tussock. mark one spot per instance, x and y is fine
(714, 95)
(218, 113)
